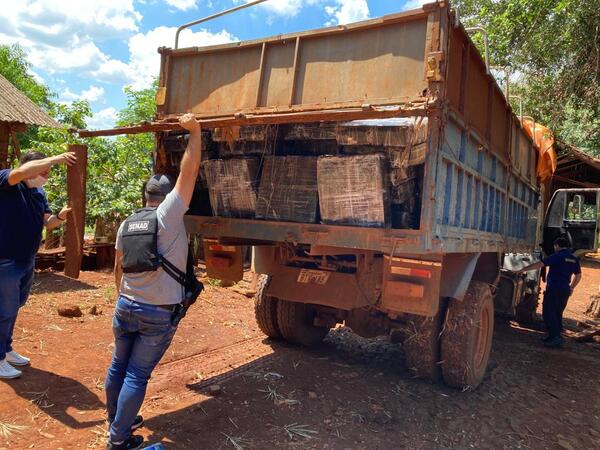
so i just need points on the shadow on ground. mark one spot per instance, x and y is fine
(53, 282)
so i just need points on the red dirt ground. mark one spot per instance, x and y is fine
(347, 393)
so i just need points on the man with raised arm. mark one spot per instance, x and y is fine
(148, 294)
(24, 212)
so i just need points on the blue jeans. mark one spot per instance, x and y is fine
(143, 333)
(16, 279)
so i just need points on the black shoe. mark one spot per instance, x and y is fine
(137, 423)
(555, 342)
(132, 443)
(546, 339)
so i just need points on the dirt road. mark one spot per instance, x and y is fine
(347, 393)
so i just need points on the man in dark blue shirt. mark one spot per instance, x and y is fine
(563, 276)
(24, 211)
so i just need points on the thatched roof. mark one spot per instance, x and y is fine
(16, 107)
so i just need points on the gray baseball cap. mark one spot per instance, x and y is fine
(159, 184)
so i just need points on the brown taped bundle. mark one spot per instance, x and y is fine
(288, 189)
(354, 190)
(232, 186)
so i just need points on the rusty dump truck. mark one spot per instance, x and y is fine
(377, 171)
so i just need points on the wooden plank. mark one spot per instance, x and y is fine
(4, 138)
(76, 181)
(267, 119)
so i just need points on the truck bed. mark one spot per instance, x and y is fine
(479, 190)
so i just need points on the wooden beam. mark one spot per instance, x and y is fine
(4, 138)
(76, 181)
(273, 119)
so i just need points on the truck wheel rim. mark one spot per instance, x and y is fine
(482, 338)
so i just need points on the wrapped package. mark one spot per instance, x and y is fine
(288, 189)
(354, 190)
(394, 132)
(232, 186)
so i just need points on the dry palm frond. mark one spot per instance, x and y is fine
(6, 429)
(239, 443)
(294, 429)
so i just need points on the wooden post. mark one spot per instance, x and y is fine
(76, 181)
(4, 138)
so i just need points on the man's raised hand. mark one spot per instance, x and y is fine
(67, 158)
(188, 121)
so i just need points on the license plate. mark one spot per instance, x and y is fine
(313, 277)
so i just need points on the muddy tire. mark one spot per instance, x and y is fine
(525, 310)
(265, 309)
(295, 322)
(422, 346)
(467, 337)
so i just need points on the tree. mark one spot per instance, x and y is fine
(553, 46)
(118, 168)
(15, 68)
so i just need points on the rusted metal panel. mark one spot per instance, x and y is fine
(455, 71)
(338, 290)
(76, 183)
(350, 112)
(224, 262)
(411, 286)
(476, 94)
(499, 124)
(373, 62)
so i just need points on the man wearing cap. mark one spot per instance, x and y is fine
(24, 212)
(142, 321)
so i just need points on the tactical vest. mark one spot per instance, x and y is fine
(140, 254)
(140, 242)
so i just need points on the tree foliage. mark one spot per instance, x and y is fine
(553, 49)
(117, 167)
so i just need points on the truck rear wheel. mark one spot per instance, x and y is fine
(265, 309)
(467, 337)
(422, 346)
(296, 323)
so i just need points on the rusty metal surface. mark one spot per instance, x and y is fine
(340, 290)
(16, 107)
(374, 61)
(353, 112)
(76, 183)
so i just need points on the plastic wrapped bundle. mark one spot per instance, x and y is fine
(232, 186)
(252, 133)
(288, 189)
(396, 132)
(319, 131)
(354, 190)
(256, 140)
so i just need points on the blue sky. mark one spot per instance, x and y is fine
(92, 49)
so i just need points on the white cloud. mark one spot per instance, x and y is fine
(287, 8)
(182, 5)
(347, 11)
(414, 4)
(93, 94)
(145, 60)
(103, 119)
(62, 35)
